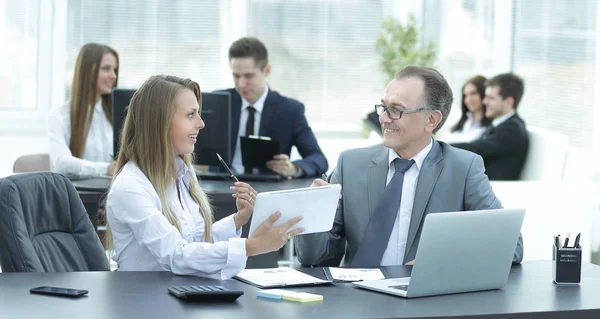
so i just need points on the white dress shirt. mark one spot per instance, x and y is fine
(144, 240)
(499, 120)
(98, 146)
(470, 132)
(236, 162)
(394, 253)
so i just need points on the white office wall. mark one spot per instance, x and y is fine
(17, 145)
(553, 208)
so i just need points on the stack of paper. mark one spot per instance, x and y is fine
(279, 294)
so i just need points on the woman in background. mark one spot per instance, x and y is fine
(472, 122)
(159, 218)
(80, 131)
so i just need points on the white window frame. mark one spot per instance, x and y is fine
(230, 31)
(596, 115)
(32, 121)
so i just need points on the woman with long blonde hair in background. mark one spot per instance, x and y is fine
(80, 131)
(159, 218)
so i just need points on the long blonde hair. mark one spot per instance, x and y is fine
(145, 141)
(84, 93)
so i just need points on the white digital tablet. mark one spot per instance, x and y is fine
(316, 204)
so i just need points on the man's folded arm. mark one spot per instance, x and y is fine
(505, 140)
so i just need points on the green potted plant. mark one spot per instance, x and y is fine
(398, 46)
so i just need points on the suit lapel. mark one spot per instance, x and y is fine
(236, 109)
(267, 113)
(428, 176)
(377, 175)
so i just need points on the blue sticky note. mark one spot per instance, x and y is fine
(276, 294)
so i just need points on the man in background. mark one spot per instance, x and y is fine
(256, 109)
(504, 145)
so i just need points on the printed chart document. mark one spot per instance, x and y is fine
(355, 274)
(278, 277)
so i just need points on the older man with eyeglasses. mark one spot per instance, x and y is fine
(388, 189)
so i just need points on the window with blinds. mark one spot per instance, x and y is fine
(464, 33)
(19, 35)
(181, 38)
(323, 54)
(555, 53)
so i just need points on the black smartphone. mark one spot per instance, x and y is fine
(57, 291)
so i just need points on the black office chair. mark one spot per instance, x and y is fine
(44, 226)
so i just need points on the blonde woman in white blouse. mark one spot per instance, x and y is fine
(80, 131)
(159, 218)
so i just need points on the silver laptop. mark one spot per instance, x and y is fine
(459, 252)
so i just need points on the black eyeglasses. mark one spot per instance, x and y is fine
(395, 113)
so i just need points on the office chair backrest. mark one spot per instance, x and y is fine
(32, 163)
(44, 226)
(546, 155)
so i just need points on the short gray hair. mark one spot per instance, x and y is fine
(437, 95)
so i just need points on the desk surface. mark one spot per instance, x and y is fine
(529, 293)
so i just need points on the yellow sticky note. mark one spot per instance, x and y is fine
(303, 297)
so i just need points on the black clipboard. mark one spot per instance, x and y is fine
(256, 151)
(251, 279)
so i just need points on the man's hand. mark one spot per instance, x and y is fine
(410, 263)
(281, 165)
(318, 182)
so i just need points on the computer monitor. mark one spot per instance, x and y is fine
(120, 101)
(214, 138)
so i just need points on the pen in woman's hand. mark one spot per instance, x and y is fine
(226, 167)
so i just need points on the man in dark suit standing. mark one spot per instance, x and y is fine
(505, 143)
(258, 110)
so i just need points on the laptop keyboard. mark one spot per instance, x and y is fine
(399, 287)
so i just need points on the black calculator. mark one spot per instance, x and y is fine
(205, 293)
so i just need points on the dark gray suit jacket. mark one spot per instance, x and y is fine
(503, 149)
(450, 180)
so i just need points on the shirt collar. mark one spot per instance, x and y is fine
(260, 103)
(503, 118)
(469, 123)
(419, 158)
(182, 168)
(98, 107)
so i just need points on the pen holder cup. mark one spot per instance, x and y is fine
(566, 265)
